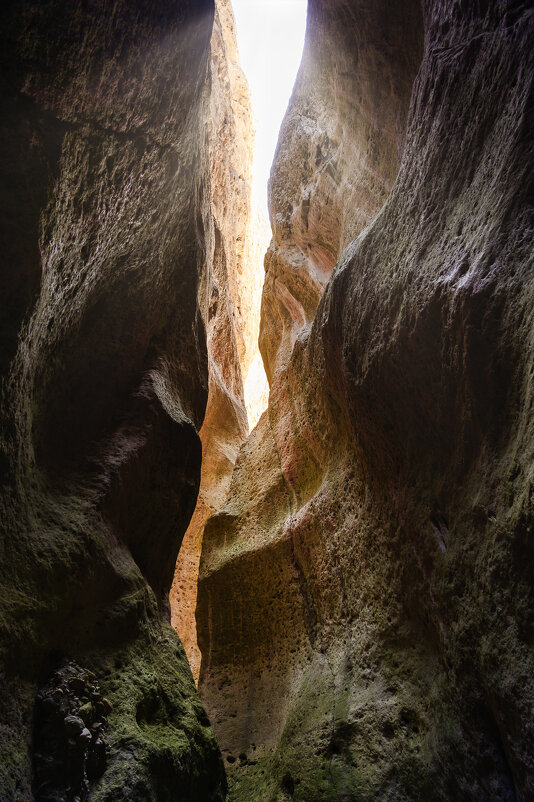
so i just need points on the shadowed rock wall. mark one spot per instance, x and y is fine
(365, 598)
(105, 227)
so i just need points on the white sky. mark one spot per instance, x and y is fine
(270, 37)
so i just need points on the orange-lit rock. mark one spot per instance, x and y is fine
(233, 320)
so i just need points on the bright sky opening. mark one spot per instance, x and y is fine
(270, 37)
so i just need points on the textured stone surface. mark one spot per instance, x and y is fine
(105, 227)
(232, 330)
(365, 599)
(337, 154)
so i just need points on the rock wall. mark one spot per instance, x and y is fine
(337, 154)
(365, 596)
(232, 329)
(106, 226)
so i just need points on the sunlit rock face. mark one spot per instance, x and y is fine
(337, 154)
(105, 227)
(232, 330)
(365, 595)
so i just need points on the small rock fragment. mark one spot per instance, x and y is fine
(73, 725)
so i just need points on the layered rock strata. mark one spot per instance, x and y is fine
(106, 225)
(365, 597)
(232, 328)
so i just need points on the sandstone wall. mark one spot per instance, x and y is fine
(337, 154)
(365, 596)
(105, 228)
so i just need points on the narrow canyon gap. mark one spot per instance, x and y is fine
(364, 622)
(240, 158)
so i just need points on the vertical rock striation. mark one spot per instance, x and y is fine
(365, 596)
(105, 227)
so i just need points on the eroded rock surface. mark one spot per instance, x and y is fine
(337, 154)
(105, 227)
(365, 597)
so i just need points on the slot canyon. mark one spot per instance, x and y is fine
(312, 586)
